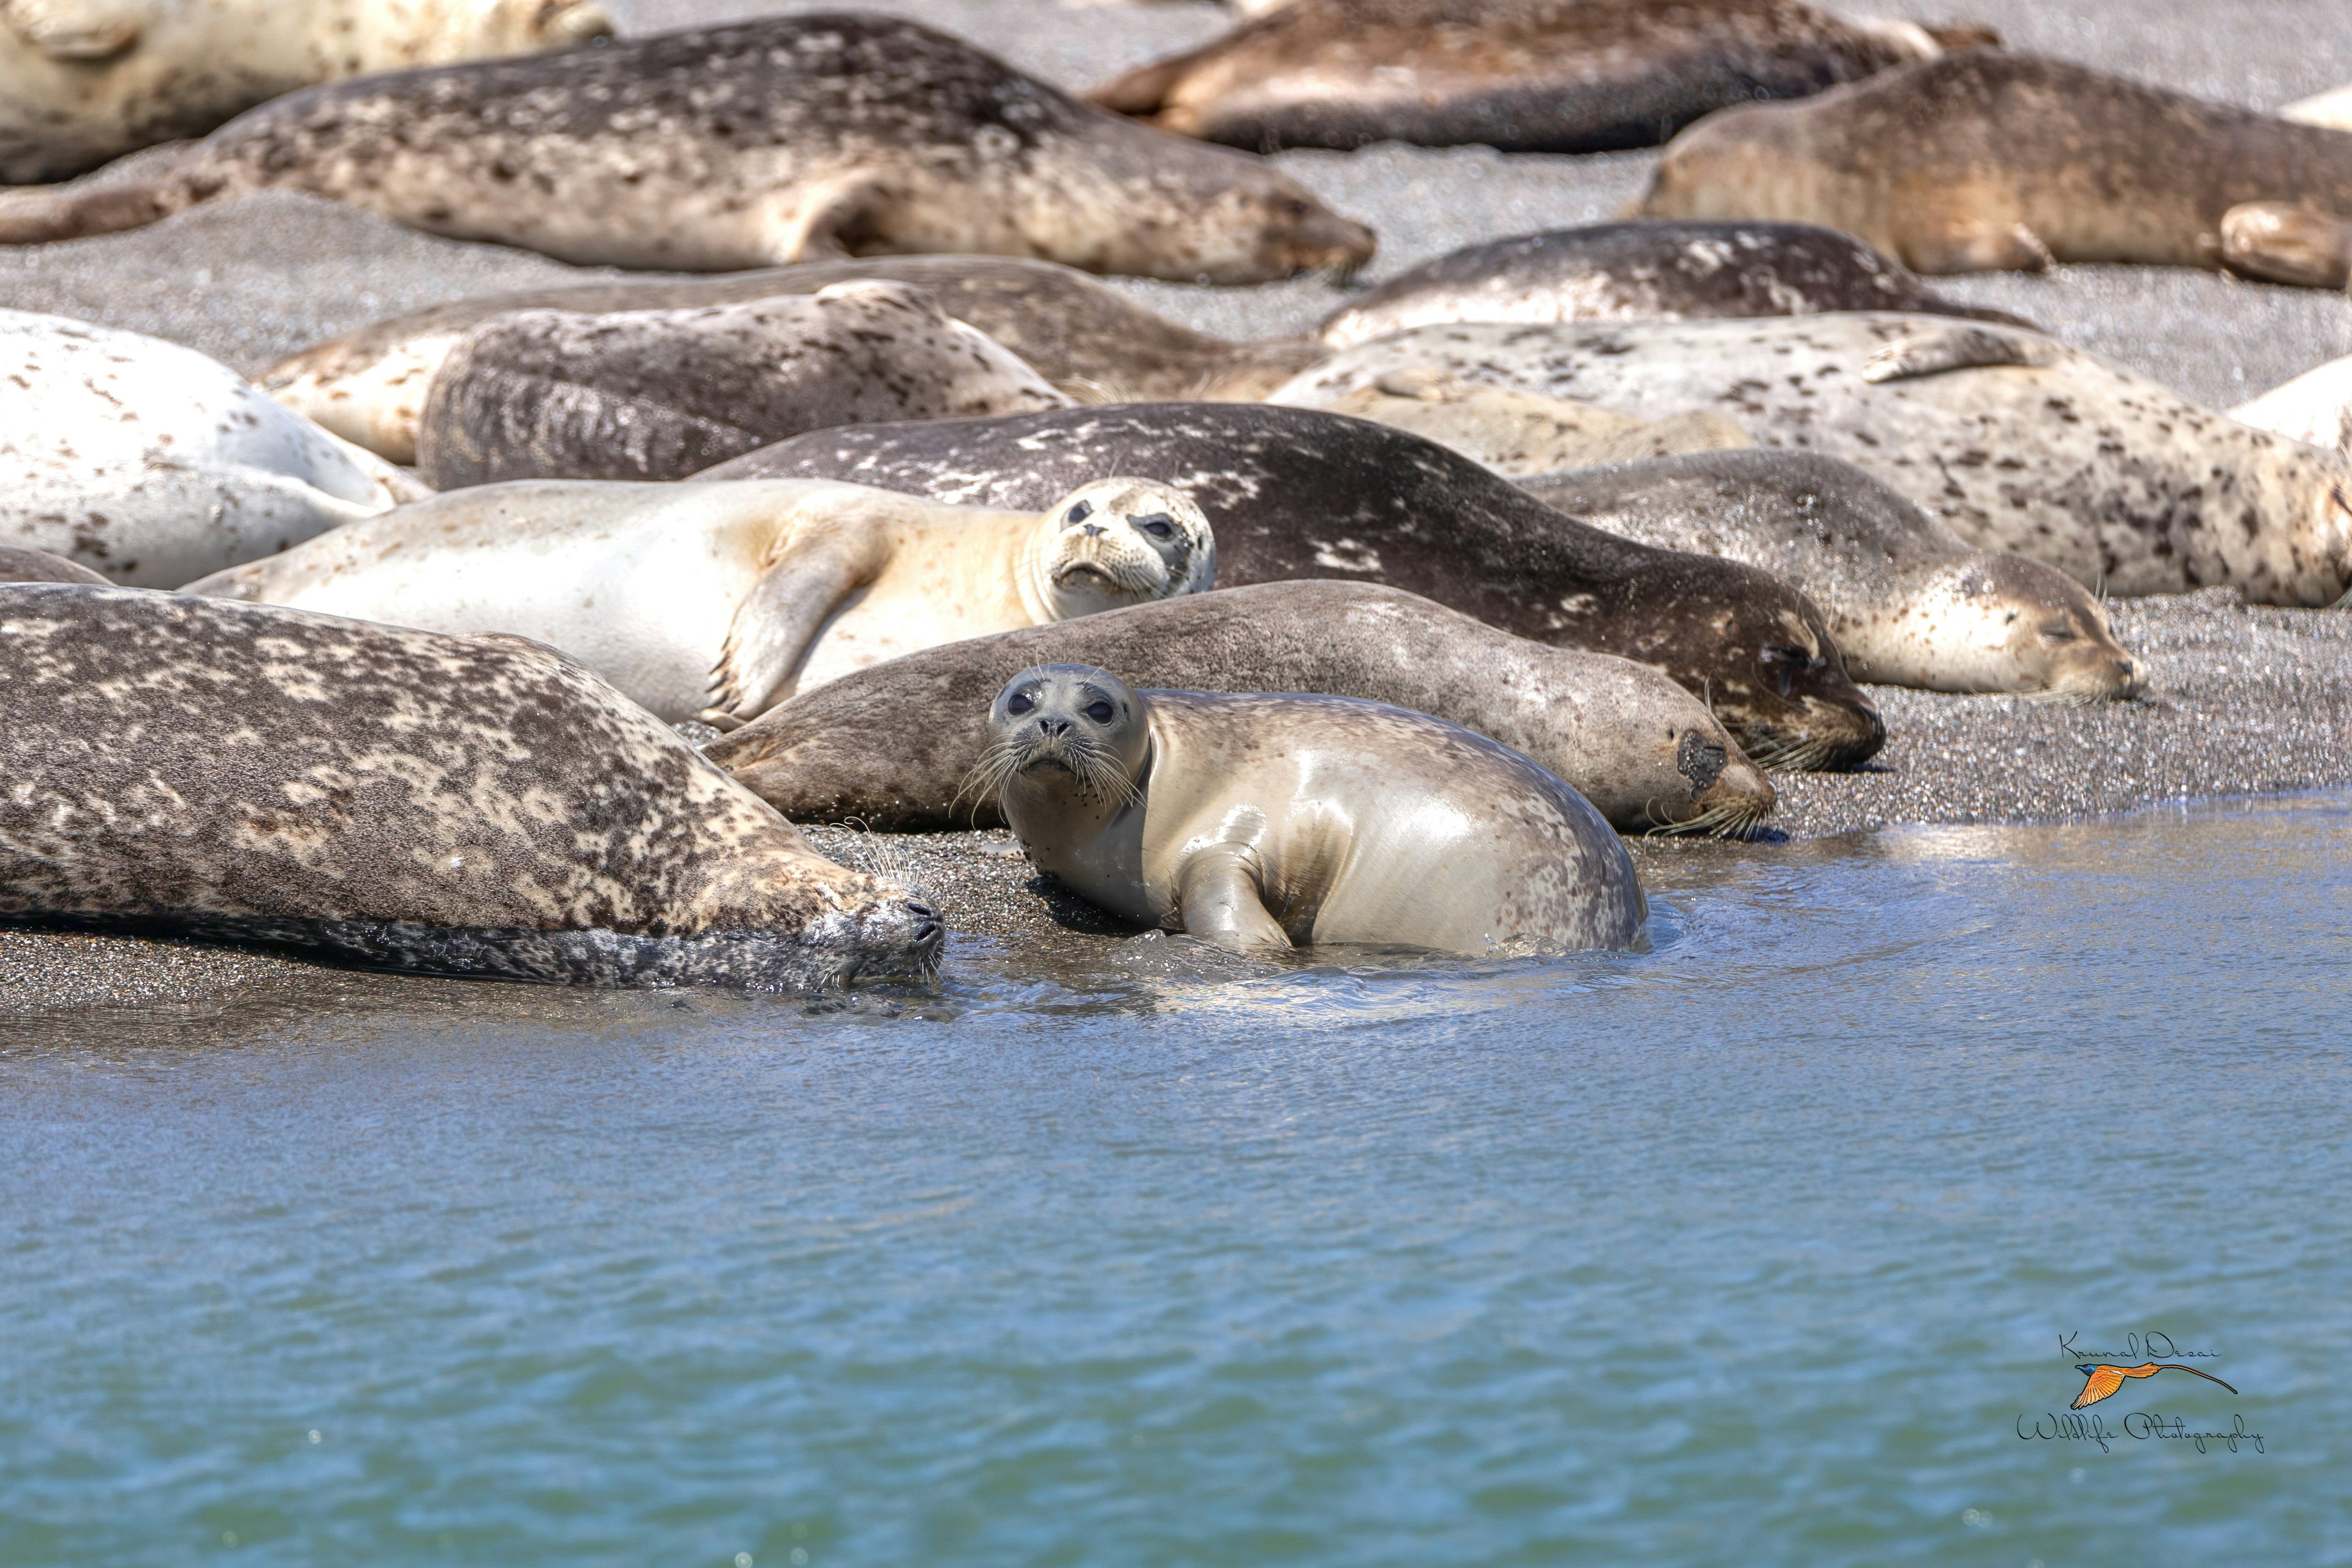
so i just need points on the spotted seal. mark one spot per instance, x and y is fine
(484, 806)
(369, 385)
(659, 394)
(1910, 604)
(1297, 493)
(711, 601)
(785, 139)
(1986, 161)
(2012, 440)
(897, 745)
(1515, 432)
(2316, 408)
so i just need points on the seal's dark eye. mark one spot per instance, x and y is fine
(1160, 525)
(2060, 632)
(1020, 702)
(1100, 712)
(1080, 513)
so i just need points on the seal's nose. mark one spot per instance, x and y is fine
(1053, 726)
(928, 927)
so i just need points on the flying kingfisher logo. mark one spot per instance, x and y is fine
(2105, 1374)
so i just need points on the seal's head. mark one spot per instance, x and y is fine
(1117, 542)
(1068, 744)
(1998, 622)
(526, 27)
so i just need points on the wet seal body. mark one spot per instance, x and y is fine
(82, 81)
(1521, 76)
(896, 746)
(364, 793)
(659, 394)
(150, 464)
(1910, 603)
(1987, 161)
(1651, 270)
(711, 601)
(1515, 432)
(2316, 408)
(1260, 822)
(369, 385)
(1297, 493)
(2013, 441)
(790, 139)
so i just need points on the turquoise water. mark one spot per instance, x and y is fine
(1756, 1247)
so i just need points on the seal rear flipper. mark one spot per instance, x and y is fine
(780, 618)
(1978, 247)
(2282, 242)
(39, 217)
(1218, 895)
(1931, 351)
(81, 31)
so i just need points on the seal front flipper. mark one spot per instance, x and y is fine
(1932, 350)
(1218, 894)
(822, 222)
(1978, 247)
(77, 30)
(805, 584)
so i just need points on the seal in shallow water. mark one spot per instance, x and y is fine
(1986, 162)
(1911, 604)
(1297, 493)
(788, 139)
(714, 600)
(369, 385)
(1260, 822)
(659, 394)
(2012, 440)
(895, 745)
(182, 768)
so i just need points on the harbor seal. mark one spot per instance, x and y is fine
(82, 81)
(39, 566)
(2012, 440)
(711, 601)
(480, 807)
(2316, 408)
(1989, 161)
(150, 464)
(2332, 109)
(1521, 76)
(1649, 270)
(369, 385)
(1910, 604)
(1260, 822)
(786, 139)
(1515, 432)
(1297, 493)
(659, 394)
(897, 745)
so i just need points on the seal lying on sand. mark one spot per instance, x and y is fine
(40, 566)
(2012, 441)
(789, 139)
(1515, 432)
(1986, 162)
(1911, 604)
(2314, 407)
(897, 745)
(1259, 823)
(1294, 493)
(659, 394)
(369, 385)
(714, 600)
(150, 464)
(1521, 75)
(84, 80)
(1649, 271)
(455, 805)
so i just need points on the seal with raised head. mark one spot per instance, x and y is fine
(2316, 408)
(1521, 76)
(1095, 345)
(897, 745)
(1294, 492)
(1644, 271)
(1515, 432)
(659, 394)
(786, 139)
(82, 81)
(1910, 603)
(1988, 162)
(150, 464)
(711, 601)
(19, 565)
(1263, 823)
(482, 807)
(2013, 441)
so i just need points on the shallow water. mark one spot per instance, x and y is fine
(1753, 1247)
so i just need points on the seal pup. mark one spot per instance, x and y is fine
(369, 385)
(1909, 602)
(39, 566)
(1260, 822)
(1295, 493)
(2314, 407)
(82, 81)
(150, 464)
(483, 806)
(897, 745)
(659, 394)
(785, 139)
(1649, 270)
(1515, 432)
(712, 601)
(1521, 76)
(2012, 440)
(1992, 162)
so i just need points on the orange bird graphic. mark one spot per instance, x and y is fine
(2105, 1380)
